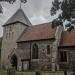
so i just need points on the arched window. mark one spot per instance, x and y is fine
(35, 51)
(48, 49)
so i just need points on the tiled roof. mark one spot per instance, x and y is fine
(38, 32)
(18, 16)
(68, 38)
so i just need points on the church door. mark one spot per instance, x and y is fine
(14, 61)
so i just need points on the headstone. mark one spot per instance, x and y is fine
(38, 73)
(11, 71)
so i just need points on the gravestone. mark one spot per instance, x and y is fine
(11, 71)
(37, 73)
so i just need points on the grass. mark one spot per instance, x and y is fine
(25, 73)
(18, 73)
(52, 73)
(33, 73)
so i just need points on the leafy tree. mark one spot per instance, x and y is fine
(68, 12)
(11, 2)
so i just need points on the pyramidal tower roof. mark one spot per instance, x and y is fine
(19, 16)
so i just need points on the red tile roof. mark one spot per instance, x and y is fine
(38, 32)
(68, 38)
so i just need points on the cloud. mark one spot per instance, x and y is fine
(36, 8)
(39, 20)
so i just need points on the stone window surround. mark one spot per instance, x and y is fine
(45, 47)
(35, 52)
(48, 47)
(67, 57)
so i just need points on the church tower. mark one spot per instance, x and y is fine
(11, 31)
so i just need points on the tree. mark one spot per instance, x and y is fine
(68, 12)
(11, 2)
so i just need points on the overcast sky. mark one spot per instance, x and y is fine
(37, 11)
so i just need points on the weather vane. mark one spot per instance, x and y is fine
(22, 1)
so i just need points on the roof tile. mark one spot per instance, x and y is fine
(38, 32)
(68, 38)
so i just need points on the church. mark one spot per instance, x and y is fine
(31, 47)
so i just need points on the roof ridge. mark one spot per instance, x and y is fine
(41, 24)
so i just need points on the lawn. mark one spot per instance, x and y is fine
(33, 73)
(52, 73)
(25, 73)
(18, 73)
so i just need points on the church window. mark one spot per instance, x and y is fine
(63, 56)
(35, 51)
(48, 49)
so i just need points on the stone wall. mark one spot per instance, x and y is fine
(24, 45)
(44, 60)
(25, 57)
(58, 35)
(10, 35)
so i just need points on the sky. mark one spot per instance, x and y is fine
(37, 11)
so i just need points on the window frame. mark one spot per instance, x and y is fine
(35, 51)
(48, 49)
(66, 57)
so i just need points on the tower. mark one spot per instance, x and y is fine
(11, 31)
